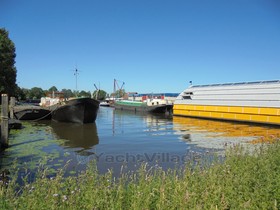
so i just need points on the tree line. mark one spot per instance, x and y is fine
(37, 93)
(8, 74)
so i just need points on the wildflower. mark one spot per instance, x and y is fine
(64, 198)
(31, 189)
(55, 195)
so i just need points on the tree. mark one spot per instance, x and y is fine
(8, 70)
(67, 93)
(99, 94)
(36, 93)
(53, 89)
(20, 94)
(119, 93)
(84, 94)
(26, 93)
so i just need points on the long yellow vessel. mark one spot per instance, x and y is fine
(257, 102)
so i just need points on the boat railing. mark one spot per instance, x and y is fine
(238, 83)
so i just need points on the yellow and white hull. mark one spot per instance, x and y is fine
(251, 102)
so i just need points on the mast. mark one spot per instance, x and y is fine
(115, 81)
(76, 75)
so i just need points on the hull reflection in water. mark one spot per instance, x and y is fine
(154, 123)
(81, 136)
(218, 134)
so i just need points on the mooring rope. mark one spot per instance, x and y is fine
(51, 111)
(41, 117)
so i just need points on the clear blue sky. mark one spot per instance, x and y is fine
(151, 45)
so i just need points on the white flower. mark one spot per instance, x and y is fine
(64, 198)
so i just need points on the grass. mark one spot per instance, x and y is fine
(244, 180)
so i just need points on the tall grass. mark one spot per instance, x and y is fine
(244, 180)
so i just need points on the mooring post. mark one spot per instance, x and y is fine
(12, 105)
(4, 121)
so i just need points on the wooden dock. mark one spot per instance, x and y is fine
(6, 122)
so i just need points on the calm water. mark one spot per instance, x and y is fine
(120, 138)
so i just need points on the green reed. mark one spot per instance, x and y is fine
(246, 179)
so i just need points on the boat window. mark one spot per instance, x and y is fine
(272, 81)
(187, 97)
(251, 83)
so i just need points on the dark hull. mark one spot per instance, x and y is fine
(31, 113)
(151, 109)
(81, 110)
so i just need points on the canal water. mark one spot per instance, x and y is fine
(121, 140)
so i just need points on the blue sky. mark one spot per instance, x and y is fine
(151, 45)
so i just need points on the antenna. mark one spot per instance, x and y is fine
(76, 72)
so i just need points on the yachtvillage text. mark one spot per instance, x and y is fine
(164, 157)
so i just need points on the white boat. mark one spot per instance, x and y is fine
(104, 103)
(257, 102)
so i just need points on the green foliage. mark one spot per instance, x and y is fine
(76, 93)
(53, 89)
(36, 93)
(84, 94)
(19, 93)
(119, 93)
(245, 180)
(8, 70)
(25, 93)
(67, 93)
(99, 94)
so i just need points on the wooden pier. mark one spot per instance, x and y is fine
(6, 121)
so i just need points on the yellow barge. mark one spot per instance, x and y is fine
(257, 102)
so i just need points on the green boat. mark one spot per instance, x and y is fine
(149, 105)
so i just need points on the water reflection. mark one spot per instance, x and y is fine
(120, 137)
(152, 123)
(131, 138)
(82, 137)
(218, 134)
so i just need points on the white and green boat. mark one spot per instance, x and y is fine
(154, 105)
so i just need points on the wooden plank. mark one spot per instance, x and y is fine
(4, 121)
(12, 105)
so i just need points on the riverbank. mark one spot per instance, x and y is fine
(242, 181)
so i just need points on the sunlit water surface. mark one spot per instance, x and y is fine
(122, 140)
